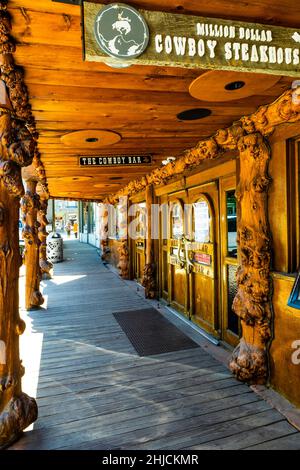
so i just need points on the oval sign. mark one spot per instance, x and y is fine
(121, 31)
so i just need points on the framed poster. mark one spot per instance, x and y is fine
(294, 299)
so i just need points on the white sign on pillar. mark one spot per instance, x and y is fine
(2, 353)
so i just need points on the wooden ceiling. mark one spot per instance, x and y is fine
(140, 103)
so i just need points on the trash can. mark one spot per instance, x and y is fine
(55, 253)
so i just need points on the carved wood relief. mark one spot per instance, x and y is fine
(17, 146)
(123, 264)
(17, 410)
(284, 110)
(104, 232)
(253, 302)
(30, 206)
(45, 265)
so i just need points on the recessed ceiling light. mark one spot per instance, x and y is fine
(115, 64)
(193, 114)
(237, 85)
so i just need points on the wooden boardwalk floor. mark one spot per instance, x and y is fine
(95, 392)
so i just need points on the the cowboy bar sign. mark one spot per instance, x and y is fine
(120, 35)
(115, 160)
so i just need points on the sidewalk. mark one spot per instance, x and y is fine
(95, 392)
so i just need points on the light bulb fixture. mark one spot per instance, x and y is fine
(168, 160)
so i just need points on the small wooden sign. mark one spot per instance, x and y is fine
(115, 160)
(191, 41)
(202, 258)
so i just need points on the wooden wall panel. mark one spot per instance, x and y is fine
(285, 376)
(278, 207)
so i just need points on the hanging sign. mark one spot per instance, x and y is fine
(120, 35)
(115, 160)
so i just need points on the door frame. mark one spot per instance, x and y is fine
(203, 190)
(226, 183)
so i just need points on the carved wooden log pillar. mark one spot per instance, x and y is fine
(104, 231)
(149, 276)
(17, 410)
(30, 207)
(123, 250)
(45, 265)
(253, 300)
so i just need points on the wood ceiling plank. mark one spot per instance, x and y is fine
(59, 29)
(45, 6)
(70, 58)
(120, 107)
(66, 93)
(286, 12)
(109, 80)
(148, 127)
(107, 120)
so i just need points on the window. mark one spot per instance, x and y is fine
(231, 224)
(177, 221)
(202, 221)
(293, 154)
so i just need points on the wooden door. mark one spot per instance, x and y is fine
(138, 244)
(178, 296)
(230, 324)
(202, 254)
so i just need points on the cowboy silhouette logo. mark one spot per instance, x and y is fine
(121, 31)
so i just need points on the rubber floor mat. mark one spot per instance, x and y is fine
(150, 333)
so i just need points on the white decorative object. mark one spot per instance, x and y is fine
(2, 353)
(55, 252)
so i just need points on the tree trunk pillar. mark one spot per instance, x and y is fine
(104, 231)
(149, 275)
(122, 228)
(17, 410)
(45, 265)
(30, 208)
(253, 302)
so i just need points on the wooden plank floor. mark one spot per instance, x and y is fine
(95, 392)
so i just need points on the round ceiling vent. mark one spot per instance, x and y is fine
(90, 139)
(218, 85)
(194, 114)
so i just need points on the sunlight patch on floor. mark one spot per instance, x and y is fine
(31, 345)
(59, 280)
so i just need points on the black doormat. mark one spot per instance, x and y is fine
(150, 333)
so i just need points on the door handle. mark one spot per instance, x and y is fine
(184, 261)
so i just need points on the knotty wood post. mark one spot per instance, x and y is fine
(104, 230)
(30, 207)
(149, 276)
(17, 410)
(45, 265)
(123, 250)
(253, 302)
